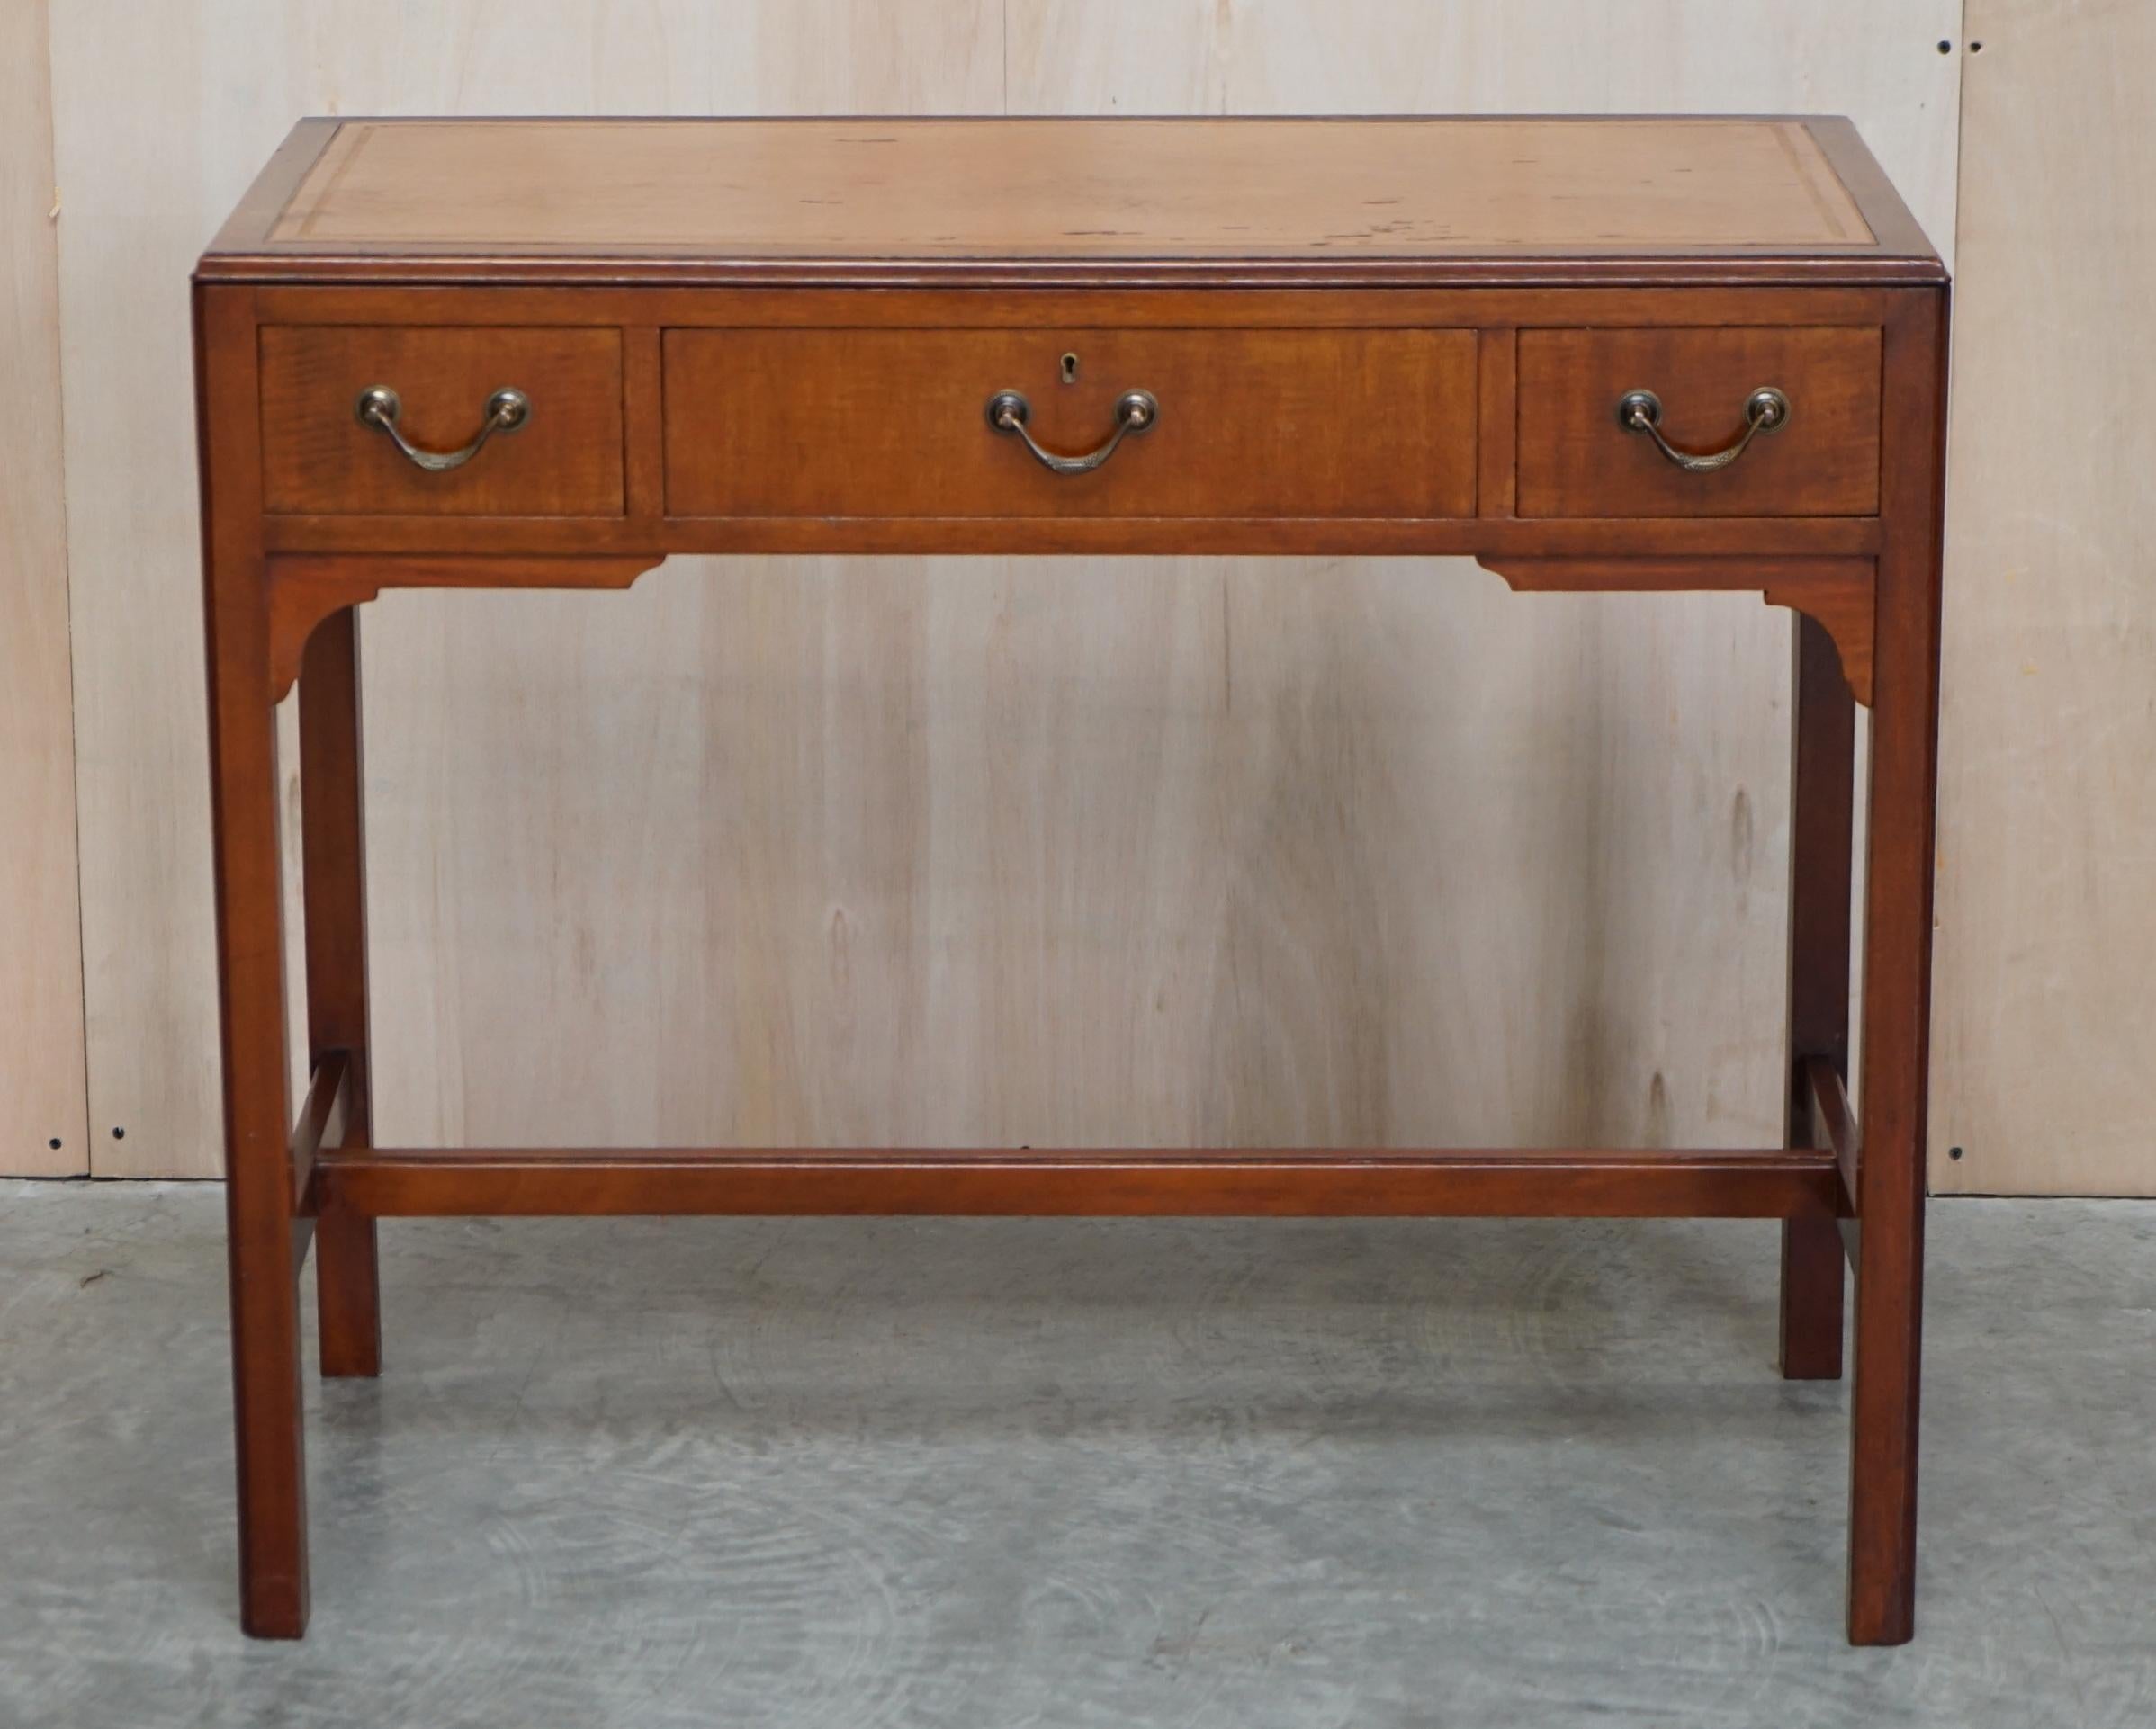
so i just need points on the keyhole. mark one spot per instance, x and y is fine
(1070, 368)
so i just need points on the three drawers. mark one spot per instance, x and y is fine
(1112, 422)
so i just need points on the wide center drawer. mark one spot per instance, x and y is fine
(896, 422)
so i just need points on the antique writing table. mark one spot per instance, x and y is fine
(1619, 355)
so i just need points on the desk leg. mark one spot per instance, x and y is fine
(334, 863)
(265, 1240)
(1897, 1007)
(1821, 802)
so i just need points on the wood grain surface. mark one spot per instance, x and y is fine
(1251, 423)
(2045, 1047)
(44, 1097)
(1260, 830)
(565, 461)
(1576, 460)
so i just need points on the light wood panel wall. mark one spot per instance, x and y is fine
(960, 850)
(43, 1126)
(2044, 1033)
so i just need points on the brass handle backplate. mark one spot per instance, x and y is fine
(1136, 411)
(379, 406)
(1766, 410)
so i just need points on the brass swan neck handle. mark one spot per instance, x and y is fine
(507, 410)
(1766, 410)
(1135, 412)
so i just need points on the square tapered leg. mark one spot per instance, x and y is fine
(1821, 808)
(1897, 1001)
(332, 817)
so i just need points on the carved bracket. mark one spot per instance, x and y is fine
(1837, 593)
(307, 587)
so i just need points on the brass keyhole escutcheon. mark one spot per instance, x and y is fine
(1070, 368)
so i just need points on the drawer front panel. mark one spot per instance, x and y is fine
(1577, 460)
(894, 422)
(319, 457)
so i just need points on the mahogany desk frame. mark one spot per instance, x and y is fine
(282, 587)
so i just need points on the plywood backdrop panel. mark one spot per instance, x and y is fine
(986, 850)
(43, 1129)
(2044, 1039)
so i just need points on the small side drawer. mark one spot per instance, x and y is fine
(1578, 459)
(319, 457)
(899, 423)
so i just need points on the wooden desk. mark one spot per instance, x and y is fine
(1619, 355)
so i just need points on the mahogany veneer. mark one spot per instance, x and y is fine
(1332, 337)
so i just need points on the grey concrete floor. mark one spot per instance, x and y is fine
(994, 1474)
